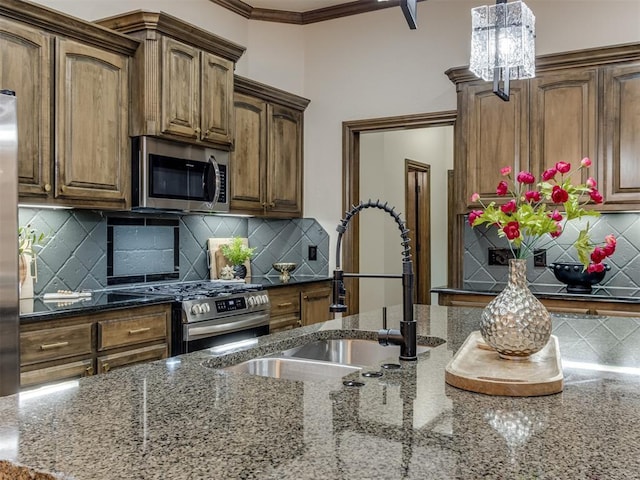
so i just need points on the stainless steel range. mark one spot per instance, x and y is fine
(212, 313)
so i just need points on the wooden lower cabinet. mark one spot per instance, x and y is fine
(554, 305)
(83, 345)
(293, 306)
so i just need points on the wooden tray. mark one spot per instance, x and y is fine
(478, 368)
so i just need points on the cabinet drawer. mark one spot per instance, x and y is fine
(131, 357)
(284, 301)
(81, 368)
(139, 329)
(54, 343)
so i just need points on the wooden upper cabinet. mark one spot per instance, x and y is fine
(71, 80)
(267, 162)
(563, 120)
(497, 134)
(620, 168)
(216, 98)
(190, 97)
(284, 176)
(180, 95)
(249, 157)
(580, 104)
(25, 56)
(92, 144)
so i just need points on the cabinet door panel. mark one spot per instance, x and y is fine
(498, 136)
(621, 136)
(107, 363)
(284, 176)
(91, 118)
(180, 88)
(217, 99)
(25, 60)
(65, 371)
(564, 120)
(315, 305)
(249, 157)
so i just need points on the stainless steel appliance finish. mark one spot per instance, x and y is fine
(172, 176)
(9, 311)
(212, 313)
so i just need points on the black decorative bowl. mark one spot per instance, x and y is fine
(578, 280)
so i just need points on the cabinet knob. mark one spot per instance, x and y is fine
(105, 367)
(47, 187)
(197, 130)
(272, 204)
(88, 371)
(206, 133)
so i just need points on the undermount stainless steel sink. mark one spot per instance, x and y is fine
(322, 360)
(293, 368)
(349, 351)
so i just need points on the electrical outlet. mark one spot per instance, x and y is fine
(313, 252)
(540, 257)
(500, 256)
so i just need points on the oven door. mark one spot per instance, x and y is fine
(222, 331)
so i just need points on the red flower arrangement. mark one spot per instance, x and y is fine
(525, 220)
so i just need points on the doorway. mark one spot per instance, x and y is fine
(352, 131)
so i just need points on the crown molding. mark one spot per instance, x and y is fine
(304, 18)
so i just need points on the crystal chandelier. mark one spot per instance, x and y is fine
(503, 44)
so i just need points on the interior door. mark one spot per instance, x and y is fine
(417, 206)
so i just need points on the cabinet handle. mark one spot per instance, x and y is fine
(105, 367)
(272, 204)
(89, 371)
(139, 330)
(51, 346)
(47, 187)
(285, 304)
(197, 130)
(298, 323)
(315, 297)
(206, 133)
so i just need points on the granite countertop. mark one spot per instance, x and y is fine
(598, 294)
(37, 309)
(179, 419)
(269, 281)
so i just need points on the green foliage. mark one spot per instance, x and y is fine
(28, 239)
(236, 251)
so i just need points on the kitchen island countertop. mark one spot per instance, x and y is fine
(180, 419)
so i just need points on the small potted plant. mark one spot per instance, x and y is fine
(237, 253)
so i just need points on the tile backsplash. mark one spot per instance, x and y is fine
(625, 263)
(75, 256)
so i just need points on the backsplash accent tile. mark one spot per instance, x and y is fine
(625, 263)
(75, 256)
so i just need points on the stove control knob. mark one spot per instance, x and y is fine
(196, 309)
(265, 299)
(251, 301)
(204, 308)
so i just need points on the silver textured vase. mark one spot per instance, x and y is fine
(515, 323)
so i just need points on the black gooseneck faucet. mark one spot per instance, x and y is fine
(406, 336)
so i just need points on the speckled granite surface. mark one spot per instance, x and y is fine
(179, 419)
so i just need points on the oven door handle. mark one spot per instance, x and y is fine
(257, 320)
(211, 182)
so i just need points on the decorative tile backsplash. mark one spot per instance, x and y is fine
(75, 256)
(625, 263)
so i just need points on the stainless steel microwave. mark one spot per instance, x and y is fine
(172, 176)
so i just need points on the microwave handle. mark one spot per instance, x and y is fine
(207, 181)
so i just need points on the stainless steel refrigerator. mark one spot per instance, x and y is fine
(9, 301)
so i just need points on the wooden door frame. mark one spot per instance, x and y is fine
(351, 131)
(422, 270)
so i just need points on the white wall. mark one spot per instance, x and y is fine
(371, 65)
(382, 159)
